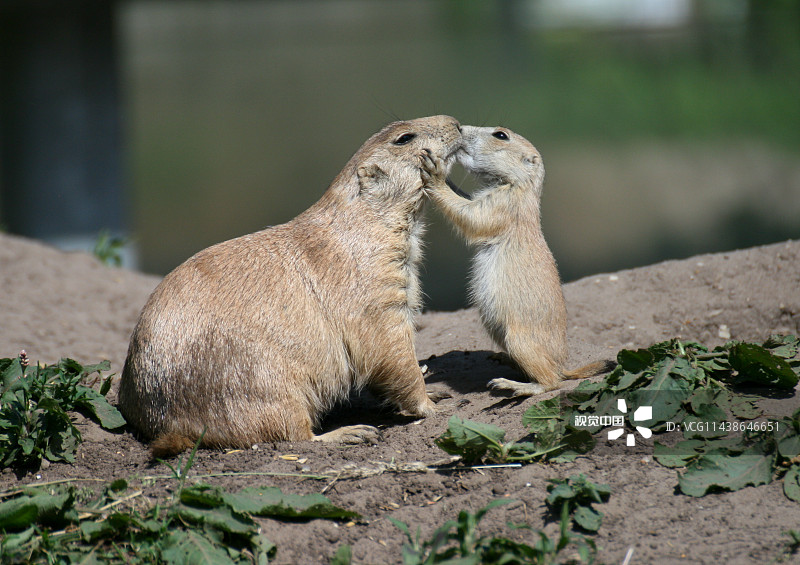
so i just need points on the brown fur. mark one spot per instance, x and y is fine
(255, 338)
(514, 280)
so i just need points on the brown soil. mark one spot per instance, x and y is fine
(56, 304)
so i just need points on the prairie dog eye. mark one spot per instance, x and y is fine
(499, 134)
(405, 138)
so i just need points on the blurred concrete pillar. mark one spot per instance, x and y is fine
(60, 126)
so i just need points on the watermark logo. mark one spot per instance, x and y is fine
(641, 414)
(617, 421)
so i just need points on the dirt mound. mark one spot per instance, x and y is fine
(56, 304)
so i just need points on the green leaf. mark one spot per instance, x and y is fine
(402, 526)
(91, 531)
(11, 377)
(118, 485)
(667, 348)
(704, 396)
(11, 543)
(222, 518)
(723, 472)
(560, 490)
(588, 518)
(17, 513)
(61, 446)
(678, 456)
(791, 483)
(470, 440)
(525, 451)
(634, 361)
(187, 547)
(263, 549)
(105, 414)
(270, 501)
(575, 496)
(106, 386)
(705, 420)
(202, 495)
(628, 380)
(35, 504)
(343, 556)
(785, 346)
(789, 446)
(538, 417)
(666, 395)
(757, 366)
(104, 365)
(576, 442)
(744, 407)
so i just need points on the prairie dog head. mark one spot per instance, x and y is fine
(387, 165)
(499, 156)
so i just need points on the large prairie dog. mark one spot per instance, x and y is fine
(514, 279)
(255, 338)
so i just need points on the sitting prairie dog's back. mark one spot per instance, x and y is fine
(255, 338)
(514, 280)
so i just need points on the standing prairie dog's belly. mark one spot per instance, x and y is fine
(514, 281)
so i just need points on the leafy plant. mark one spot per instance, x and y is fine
(577, 494)
(108, 248)
(343, 556)
(553, 438)
(685, 381)
(476, 441)
(760, 454)
(793, 545)
(34, 406)
(457, 542)
(43, 524)
(201, 524)
(553, 431)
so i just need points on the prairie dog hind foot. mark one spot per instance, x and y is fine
(351, 435)
(516, 388)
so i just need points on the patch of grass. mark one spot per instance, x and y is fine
(34, 406)
(793, 545)
(458, 542)
(55, 525)
(200, 524)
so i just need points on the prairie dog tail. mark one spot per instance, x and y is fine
(169, 445)
(591, 370)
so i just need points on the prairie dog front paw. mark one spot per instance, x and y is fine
(432, 171)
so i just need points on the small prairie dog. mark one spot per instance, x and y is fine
(514, 280)
(254, 339)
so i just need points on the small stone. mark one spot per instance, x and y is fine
(724, 332)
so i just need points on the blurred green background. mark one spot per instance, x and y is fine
(667, 127)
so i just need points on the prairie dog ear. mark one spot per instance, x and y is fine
(530, 159)
(369, 176)
(370, 172)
